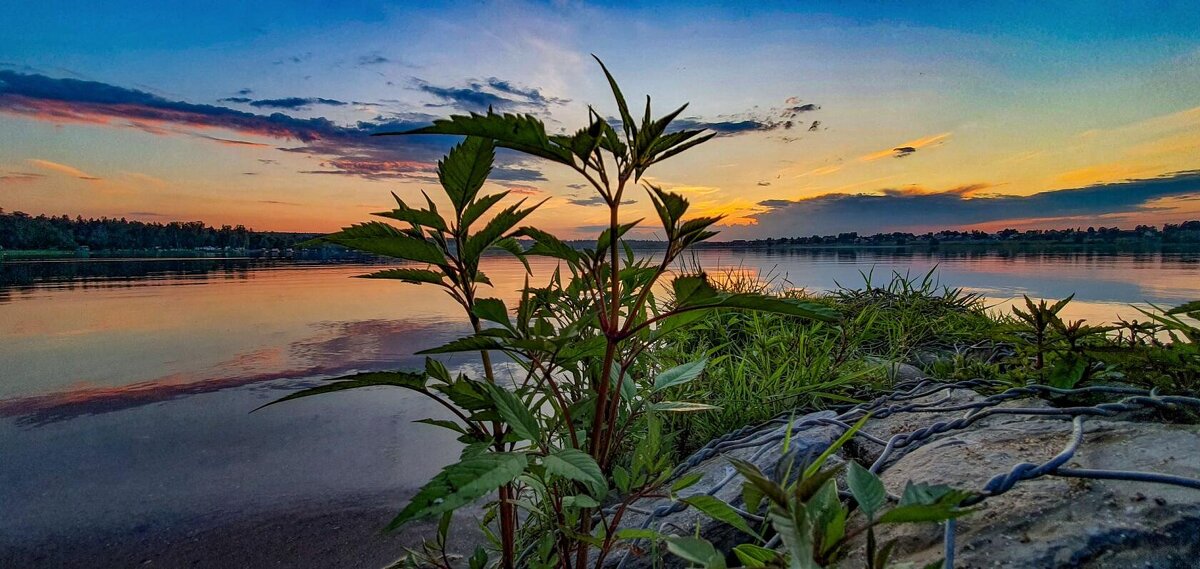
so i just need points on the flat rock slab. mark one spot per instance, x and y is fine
(1051, 522)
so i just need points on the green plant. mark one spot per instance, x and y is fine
(813, 525)
(549, 444)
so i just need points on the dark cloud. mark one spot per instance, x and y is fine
(375, 169)
(19, 177)
(903, 151)
(245, 91)
(916, 210)
(294, 59)
(764, 183)
(593, 200)
(516, 174)
(239, 100)
(348, 149)
(372, 59)
(480, 95)
(793, 111)
(228, 141)
(756, 120)
(295, 103)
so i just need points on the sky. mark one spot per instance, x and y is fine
(831, 116)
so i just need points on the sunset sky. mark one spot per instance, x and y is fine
(832, 116)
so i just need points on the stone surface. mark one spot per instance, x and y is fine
(763, 447)
(1051, 522)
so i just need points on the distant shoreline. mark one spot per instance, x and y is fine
(335, 254)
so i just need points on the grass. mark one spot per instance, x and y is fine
(761, 365)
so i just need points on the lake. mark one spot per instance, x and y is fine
(126, 391)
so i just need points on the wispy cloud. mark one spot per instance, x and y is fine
(295, 103)
(63, 169)
(480, 95)
(906, 148)
(65, 100)
(372, 59)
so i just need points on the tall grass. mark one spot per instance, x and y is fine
(761, 365)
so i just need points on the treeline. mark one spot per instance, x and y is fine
(1186, 232)
(20, 230)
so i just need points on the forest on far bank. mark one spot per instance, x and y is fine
(21, 231)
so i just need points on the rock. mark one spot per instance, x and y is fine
(763, 447)
(1051, 522)
(899, 372)
(1059, 522)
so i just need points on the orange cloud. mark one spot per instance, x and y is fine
(63, 169)
(822, 171)
(905, 148)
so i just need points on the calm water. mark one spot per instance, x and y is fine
(126, 387)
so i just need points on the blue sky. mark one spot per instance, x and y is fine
(269, 103)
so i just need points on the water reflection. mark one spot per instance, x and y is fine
(126, 387)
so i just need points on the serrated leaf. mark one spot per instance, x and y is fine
(622, 107)
(523, 133)
(414, 276)
(548, 245)
(515, 413)
(406, 380)
(460, 484)
(512, 246)
(467, 344)
(720, 511)
(495, 229)
(463, 171)
(492, 310)
(451, 425)
(574, 464)
(379, 238)
(679, 375)
(867, 489)
(479, 207)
